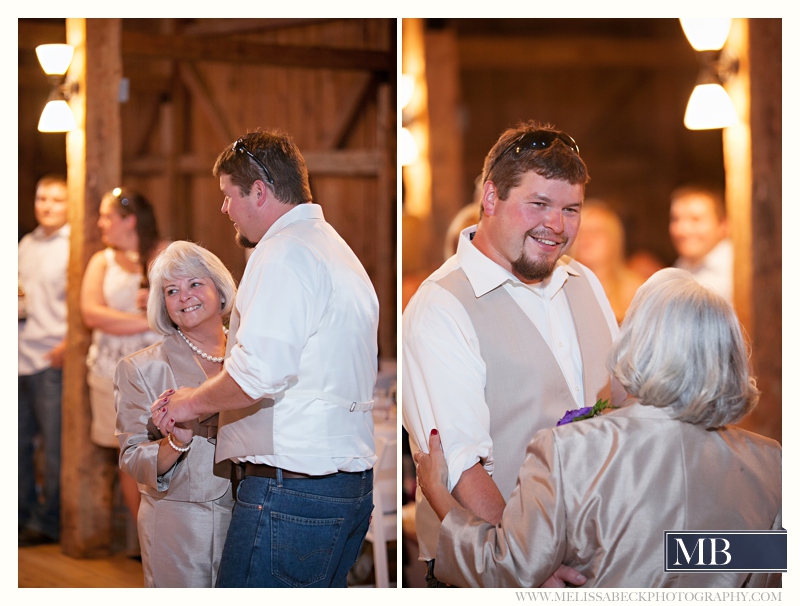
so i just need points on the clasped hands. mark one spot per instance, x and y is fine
(171, 413)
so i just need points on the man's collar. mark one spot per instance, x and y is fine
(717, 255)
(300, 212)
(40, 233)
(485, 275)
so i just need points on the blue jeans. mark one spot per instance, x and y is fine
(39, 412)
(296, 532)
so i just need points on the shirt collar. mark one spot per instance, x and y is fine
(714, 259)
(300, 212)
(62, 232)
(485, 275)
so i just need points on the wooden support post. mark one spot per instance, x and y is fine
(765, 119)
(753, 197)
(386, 217)
(446, 149)
(94, 159)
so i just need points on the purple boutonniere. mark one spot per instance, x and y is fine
(587, 412)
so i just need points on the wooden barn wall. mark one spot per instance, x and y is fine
(627, 118)
(181, 114)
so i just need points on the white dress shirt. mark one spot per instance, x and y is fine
(42, 273)
(307, 337)
(442, 361)
(715, 270)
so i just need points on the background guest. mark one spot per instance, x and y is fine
(601, 247)
(186, 500)
(112, 305)
(699, 228)
(597, 494)
(42, 326)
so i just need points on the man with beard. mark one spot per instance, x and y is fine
(295, 393)
(508, 334)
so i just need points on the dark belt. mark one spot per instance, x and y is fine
(268, 471)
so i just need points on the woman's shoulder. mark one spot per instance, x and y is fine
(754, 440)
(152, 354)
(100, 258)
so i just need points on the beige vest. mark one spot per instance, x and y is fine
(246, 431)
(525, 388)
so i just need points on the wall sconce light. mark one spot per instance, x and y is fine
(407, 144)
(57, 116)
(406, 90)
(408, 150)
(709, 105)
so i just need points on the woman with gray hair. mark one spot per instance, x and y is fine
(597, 495)
(186, 498)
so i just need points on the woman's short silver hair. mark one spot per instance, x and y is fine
(681, 347)
(183, 259)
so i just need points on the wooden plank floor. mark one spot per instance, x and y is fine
(46, 566)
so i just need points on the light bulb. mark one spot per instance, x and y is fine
(706, 34)
(406, 90)
(709, 107)
(408, 152)
(54, 58)
(57, 117)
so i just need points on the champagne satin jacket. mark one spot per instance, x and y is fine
(598, 495)
(140, 378)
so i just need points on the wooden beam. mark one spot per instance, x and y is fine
(31, 34)
(202, 96)
(188, 48)
(386, 221)
(345, 162)
(213, 48)
(495, 52)
(216, 27)
(350, 162)
(359, 93)
(94, 158)
(758, 44)
(446, 144)
(141, 134)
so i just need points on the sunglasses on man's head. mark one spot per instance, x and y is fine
(239, 147)
(537, 140)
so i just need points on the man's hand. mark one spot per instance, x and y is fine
(564, 575)
(173, 407)
(56, 355)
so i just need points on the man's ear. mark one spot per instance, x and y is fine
(261, 191)
(489, 199)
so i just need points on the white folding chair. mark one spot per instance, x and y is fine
(383, 527)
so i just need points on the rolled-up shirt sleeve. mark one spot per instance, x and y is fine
(280, 304)
(527, 546)
(444, 379)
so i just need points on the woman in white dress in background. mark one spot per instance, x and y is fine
(113, 296)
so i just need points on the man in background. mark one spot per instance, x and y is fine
(42, 271)
(699, 228)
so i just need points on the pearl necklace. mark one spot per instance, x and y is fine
(200, 352)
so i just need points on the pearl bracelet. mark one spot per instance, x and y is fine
(178, 448)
